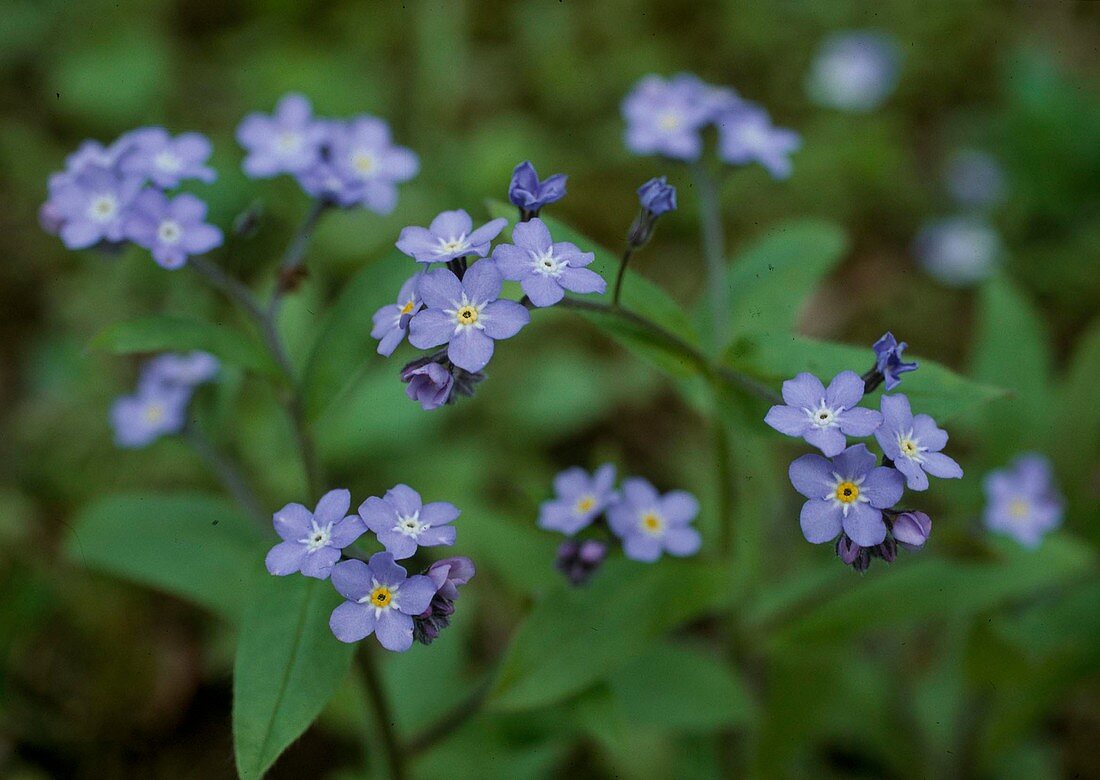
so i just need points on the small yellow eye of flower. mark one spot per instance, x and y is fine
(408, 307)
(847, 492)
(364, 163)
(652, 523)
(909, 447)
(1018, 508)
(669, 121)
(585, 504)
(154, 413)
(467, 315)
(381, 596)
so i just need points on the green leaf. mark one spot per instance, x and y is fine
(768, 282)
(576, 636)
(682, 689)
(932, 588)
(345, 347)
(1012, 350)
(639, 295)
(288, 666)
(162, 332)
(933, 389)
(194, 546)
(1076, 448)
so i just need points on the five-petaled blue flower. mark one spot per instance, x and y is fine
(465, 315)
(391, 322)
(381, 600)
(545, 269)
(746, 135)
(847, 493)
(665, 117)
(155, 410)
(171, 229)
(823, 417)
(166, 161)
(312, 541)
(526, 192)
(449, 237)
(288, 141)
(914, 443)
(650, 523)
(1022, 500)
(91, 206)
(580, 499)
(403, 522)
(888, 360)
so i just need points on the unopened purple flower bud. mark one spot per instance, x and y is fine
(888, 363)
(888, 550)
(429, 383)
(449, 573)
(592, 552)
(579, 560)
(912, 529)
(851, 554)
(657, 196)
(529, 194)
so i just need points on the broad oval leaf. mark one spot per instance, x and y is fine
(933, 389)
(575, 637)
(288, 666)
(191, 545)
(163, 333)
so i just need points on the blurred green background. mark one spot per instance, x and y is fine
(974, 658)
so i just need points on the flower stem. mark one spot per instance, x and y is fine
(382, 714)
(449, 721)
(619, 278)
(713, 248)
(226, 471)
(295, 255)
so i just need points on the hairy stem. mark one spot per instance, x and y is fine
(226, 471)
(713, 247)
(382, 714)
(619, 277)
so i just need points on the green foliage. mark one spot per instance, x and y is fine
(576, 636)
(163, 332)
(191, 545)
(288, 666)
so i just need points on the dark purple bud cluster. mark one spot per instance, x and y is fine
(434, 381)
(909, 529)
(578, 560)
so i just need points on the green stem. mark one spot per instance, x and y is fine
(382, 714)
(726, 374)
(713, 247)
(449, 721)
(226, 471)
(619, 278)
(295, 255)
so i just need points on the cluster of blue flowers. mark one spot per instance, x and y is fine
(458, 306)
(645, 521)
(339, 162)
(110, 195)
(850, 498)
(381, 598)
(159, 405)
(668, 116)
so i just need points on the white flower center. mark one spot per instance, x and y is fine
(452, 245)
(364, 162)
(669, 121)
(822, 416)
(103, 208)
(168, 162)
(910, 446)
(169, 231)
(288, 142)
(546, 264)
(411, 526)
(845, 493)
(754, 136)
(651, 522)
(466, 314)
(318, 537)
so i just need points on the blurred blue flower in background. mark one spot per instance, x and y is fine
(580, 499)
(1022, 500)
(854, 71)
(746, 135)
(165, 161)
(975, 179)
(172, 229)
(650, 523)
(958, 251)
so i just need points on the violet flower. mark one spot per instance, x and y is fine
(381, 600)
(545, 269)
(581, 498)
(650, 523)
(449, 237)
(172, 229)
(746, 135)
(914, 443)
(1022, 500)
(312, 541)
(529, 194)
(391, 322)
(403, 522)
(824, 417)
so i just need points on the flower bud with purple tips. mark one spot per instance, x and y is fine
(656, 197)
(912, 529)
(578, 561)
(447, 575)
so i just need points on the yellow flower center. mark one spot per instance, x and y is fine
(1018, 508)
(847, 492)
(653, 523)
(909, 447)
(154, 413)
(364, 163)
(381, 596)
(669, 121)
(467, 315)
(408, 307)
(585, 504)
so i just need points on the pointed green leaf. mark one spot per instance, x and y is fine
(288, 666)
(162, 332)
